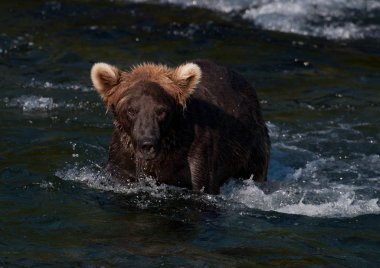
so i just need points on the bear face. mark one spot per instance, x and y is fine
(145, 113)
(145, 100)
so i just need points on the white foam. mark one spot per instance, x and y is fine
(345, 206)
(62, 86)
(218, 5)
(291, 197)
(97, 179)
(300, 182)
(33, 103)
(333, 202)
(332, 19)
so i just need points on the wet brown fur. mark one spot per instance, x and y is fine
(217, 130)
(160, 74)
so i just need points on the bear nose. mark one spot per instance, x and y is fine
(148, 149)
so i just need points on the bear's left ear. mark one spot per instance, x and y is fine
(186, 76)
(105, 77)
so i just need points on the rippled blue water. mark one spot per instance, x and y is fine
(316, 67)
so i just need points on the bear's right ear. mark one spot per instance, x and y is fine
(105, 77)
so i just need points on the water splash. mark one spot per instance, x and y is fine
(60, 86)
(333, 202)
(33, 103)
(337, 19)
(94, 177)
(332, 19)
(290, 196)
(300, 181)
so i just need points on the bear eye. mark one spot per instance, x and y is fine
(131, 111)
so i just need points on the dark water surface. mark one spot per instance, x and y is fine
(320, 97)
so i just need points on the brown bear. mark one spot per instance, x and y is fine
(192, 126)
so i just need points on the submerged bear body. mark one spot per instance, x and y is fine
(193, 126)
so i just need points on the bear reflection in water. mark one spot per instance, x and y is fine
(192, 126)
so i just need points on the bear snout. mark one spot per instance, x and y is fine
(148, 149)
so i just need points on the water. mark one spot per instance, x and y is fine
(334, 19)
(316, 67)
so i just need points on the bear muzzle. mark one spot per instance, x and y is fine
(148, 148)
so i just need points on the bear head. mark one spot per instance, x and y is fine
(145, 100)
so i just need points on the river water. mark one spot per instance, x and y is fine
(316, 68)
